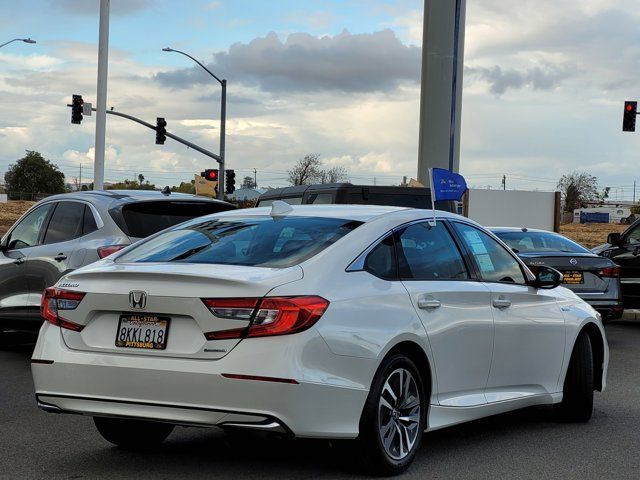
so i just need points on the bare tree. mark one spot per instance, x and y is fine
(333, 175)
(578, 189)
(306, 171)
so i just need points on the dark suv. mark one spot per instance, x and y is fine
(355, 195)
(624, 249)
(65, 232)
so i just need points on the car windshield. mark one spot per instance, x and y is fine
(540, 242)
(252, 241)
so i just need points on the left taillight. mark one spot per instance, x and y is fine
(54, 301)
(109, 250)
(271, 315)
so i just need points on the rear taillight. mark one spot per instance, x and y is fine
(55, 300)
(109, 249)
(271, 315)
(611, 272)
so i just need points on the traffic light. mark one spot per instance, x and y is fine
(210, 174)
(161, 130)
(629, 118)
(76, 109)
(230, 180)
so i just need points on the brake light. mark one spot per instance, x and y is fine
(55, 300)
(271, 315)
(611, 272)
(109, 250)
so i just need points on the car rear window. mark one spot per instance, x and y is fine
(540, 242)
(142, 219)
(251, 241)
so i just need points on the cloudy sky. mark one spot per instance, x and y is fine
(544, 86)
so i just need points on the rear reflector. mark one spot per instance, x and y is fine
(269, 316)
(109, 250)
(260, 379)
(611, 272)
(54, 300)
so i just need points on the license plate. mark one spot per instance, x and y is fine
(148, 332)
(573, 278)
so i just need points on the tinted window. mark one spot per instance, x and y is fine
(253, 241)
(496, 264)
(381, 261)
(633, 237)
(66, 222)
(89, 223)
(540, 242)
(143, 219)
(27, 231)
(321, 198)
(429, 253)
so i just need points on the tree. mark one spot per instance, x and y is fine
(131, 185)
(309, 170)
(185, 187)
(34, 174)
(248, 182)
(578, 189)
(140, 178)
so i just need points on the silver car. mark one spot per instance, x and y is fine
(65, 232)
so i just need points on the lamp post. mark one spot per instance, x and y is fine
(223, 119)
(25, 40)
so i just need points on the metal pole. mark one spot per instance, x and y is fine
(223, 121)
(255, 178)
(25, 40)
(634, 192)
(101, 100)
(80, 183)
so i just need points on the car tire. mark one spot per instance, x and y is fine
(577, 399)
(132, 434)
(382, 450)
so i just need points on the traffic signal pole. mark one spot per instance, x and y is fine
(101, 103)
(223, 122)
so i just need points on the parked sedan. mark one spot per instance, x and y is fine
(65, 232)
(594, 279)
(348, 322)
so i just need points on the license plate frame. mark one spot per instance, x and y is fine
(573, 277)
(135, 335)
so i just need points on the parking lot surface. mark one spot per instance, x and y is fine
(526, 445)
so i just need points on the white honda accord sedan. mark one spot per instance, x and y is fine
(343, 322)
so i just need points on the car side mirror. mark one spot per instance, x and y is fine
(548, 278)
(614, 238)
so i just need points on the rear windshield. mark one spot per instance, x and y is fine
(540, 242)
(142, 219)
(252, 241)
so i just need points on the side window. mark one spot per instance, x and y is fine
(495, 263)
(634, 236)
(89, 222)
(429, 253)
(381, 261)
(28, 230)
(66, 222)
(321, 198)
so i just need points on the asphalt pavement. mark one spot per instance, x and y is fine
(527, 444)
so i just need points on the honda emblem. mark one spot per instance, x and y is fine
(138, 299)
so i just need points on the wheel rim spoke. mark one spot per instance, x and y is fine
(399, 414)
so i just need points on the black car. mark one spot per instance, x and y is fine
(624, 249)
(593, 278)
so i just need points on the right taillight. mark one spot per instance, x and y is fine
(55, 300)
(271, 315)
(109, 250)
(611, 272)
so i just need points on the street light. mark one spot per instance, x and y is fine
(25, 40)
(223, 115)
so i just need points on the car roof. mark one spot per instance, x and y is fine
(519, 229)
(127, 196)
(362, 213)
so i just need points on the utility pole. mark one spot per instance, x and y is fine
(634, 192)
(80, 181)
(504, 182)
(255, 178)
(101, 103)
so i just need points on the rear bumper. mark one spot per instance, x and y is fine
(609, 309)
(194, 392)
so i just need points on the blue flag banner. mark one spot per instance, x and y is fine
(447, 185)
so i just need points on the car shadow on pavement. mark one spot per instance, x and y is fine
(18, 341)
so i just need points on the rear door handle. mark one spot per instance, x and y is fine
(60, 257)
(501, 302)
(428, 303)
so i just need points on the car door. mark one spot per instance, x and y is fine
(455, 311)
(529, 338)
(627, 255)
(21, 239)
(47, 262)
